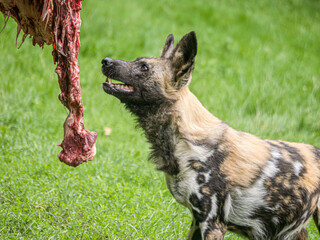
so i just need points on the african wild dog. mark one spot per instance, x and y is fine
(230, 180)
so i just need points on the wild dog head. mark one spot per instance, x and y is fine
(152, 80)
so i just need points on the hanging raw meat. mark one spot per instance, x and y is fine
(57, 22)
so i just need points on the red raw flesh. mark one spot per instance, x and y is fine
(78, 144)
(58, 22)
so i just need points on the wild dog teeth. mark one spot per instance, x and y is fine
(122, 86)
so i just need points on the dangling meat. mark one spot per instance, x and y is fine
(58, 22)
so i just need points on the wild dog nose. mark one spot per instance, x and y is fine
(106, 61)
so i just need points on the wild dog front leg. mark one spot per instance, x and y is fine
(213, 230)
(208, 230)
(194, 232)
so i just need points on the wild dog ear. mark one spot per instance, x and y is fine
(168, 47)
(183, 57)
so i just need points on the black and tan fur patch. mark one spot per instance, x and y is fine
(230, 180)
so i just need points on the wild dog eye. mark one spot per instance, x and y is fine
(144, 68)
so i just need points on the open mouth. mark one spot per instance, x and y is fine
(118, 86)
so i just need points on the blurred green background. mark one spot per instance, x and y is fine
(257, 69)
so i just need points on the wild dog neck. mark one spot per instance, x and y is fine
(167, 123)
(157, 122)
(194, 121)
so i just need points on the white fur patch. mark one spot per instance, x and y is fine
(182, 186)
(185, 183)
(214, 207)
(276, 154)
(246, 201)
(271, 169)
(186, 151)
(227, 207)
(275, 220)
(297, 167)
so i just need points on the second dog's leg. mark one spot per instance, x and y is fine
(303, 235)
(194, 232)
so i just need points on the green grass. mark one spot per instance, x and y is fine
(257, 69)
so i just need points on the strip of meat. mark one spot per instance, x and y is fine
(58, 22)
(78, 144)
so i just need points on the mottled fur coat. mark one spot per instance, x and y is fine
(230, 180)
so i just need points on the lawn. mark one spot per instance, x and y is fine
(257, 69)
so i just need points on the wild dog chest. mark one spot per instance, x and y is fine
(182, 186)
(195, 174)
